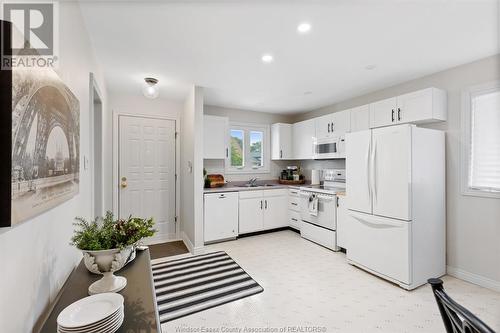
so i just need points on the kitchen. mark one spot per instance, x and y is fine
(378, 199)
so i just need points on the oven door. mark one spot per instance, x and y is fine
(326, 216)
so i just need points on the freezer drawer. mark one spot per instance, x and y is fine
(380, 244)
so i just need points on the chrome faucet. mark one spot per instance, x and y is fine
(252, 182)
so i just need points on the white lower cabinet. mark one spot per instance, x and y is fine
(220, 216)
(262, 210)
(342, 223)
(293, 209)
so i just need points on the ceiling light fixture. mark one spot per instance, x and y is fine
(304, 28)
(370, 67)
(267, 58)
(150, 89)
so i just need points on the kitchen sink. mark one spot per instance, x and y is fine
(255, 185)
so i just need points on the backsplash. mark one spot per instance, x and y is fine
(217, 167)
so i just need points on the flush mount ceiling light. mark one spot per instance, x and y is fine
(267, 58)
(303, 28)
(150, 89)
(370, 67)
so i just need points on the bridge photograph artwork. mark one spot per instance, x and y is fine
(45, 143)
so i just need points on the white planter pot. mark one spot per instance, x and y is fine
(106, 262)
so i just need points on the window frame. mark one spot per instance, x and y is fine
(266, 148)
(466, 140)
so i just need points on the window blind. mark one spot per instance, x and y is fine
(485, 142)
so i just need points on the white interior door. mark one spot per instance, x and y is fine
(357, 171)
(391, 155)
(147, 171)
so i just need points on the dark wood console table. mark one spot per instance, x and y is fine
(140, 308)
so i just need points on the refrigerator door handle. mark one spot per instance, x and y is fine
(373, 169)
(368, 170)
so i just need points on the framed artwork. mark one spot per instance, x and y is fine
(44, 127)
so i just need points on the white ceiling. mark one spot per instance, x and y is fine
(218, 45)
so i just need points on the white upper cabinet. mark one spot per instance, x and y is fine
(423, 106)
(303, 134)
(360, 118)
(333, 124)
(419, 107)
(281, 141)
(215, 134)
(383, 113)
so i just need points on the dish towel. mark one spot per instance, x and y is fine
(313, 205)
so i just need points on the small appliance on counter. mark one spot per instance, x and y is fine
(291, 175)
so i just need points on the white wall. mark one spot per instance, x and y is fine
(246, 116)
(36, 256)
(473, 223)
(191, 169)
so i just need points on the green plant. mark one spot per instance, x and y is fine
(106, 233)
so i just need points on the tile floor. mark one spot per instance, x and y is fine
(308, 288)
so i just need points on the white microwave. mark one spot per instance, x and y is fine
(328, 148)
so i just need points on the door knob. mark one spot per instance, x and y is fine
(123, 182)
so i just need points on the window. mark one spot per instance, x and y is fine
(481, 121)
(249, 148)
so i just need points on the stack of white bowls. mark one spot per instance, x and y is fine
(101, 313)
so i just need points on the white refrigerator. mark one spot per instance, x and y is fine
(395, 181)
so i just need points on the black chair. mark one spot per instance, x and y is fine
(456, 318)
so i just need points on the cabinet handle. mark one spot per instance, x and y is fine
(261, 204)
(332, 128)
(293, 192)
(294, 204)
(222, 196)
(227, 152)
(281, 153)
(392, 116)
(266, 203)
(399, 114)
(295, 220)
(328, 127)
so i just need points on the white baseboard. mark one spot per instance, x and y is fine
(190, 245)
(473, 278)
(162, 238)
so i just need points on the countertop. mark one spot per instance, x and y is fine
(140, 306)
(236, 187)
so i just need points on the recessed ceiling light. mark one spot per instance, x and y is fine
(371, 67)
(304, 28)
(267, 58)
(308, 92)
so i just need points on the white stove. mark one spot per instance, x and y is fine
(318, 208)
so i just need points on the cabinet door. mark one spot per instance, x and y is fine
(281, 141)
(215, 135)
(415, 107)
(383, 113)
(303, 134)
(360, 118)
(342, 225)
(323, 126)
(275, 212)
(251, 215)
(357, 171)
(341, 122)
(221, 216)
(391, 166)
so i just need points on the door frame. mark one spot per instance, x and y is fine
(94, 92)
(116, 170)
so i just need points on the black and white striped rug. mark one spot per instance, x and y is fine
(188, 285)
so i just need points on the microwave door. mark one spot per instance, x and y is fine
(326, 149)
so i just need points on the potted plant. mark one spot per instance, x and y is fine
(107, 245)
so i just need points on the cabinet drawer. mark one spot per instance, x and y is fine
(322, 236)
(294, 219)
(275, 193)
(294, 203)
(250, 194)
(292, 192)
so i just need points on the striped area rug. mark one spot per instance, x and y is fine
(188, 285)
